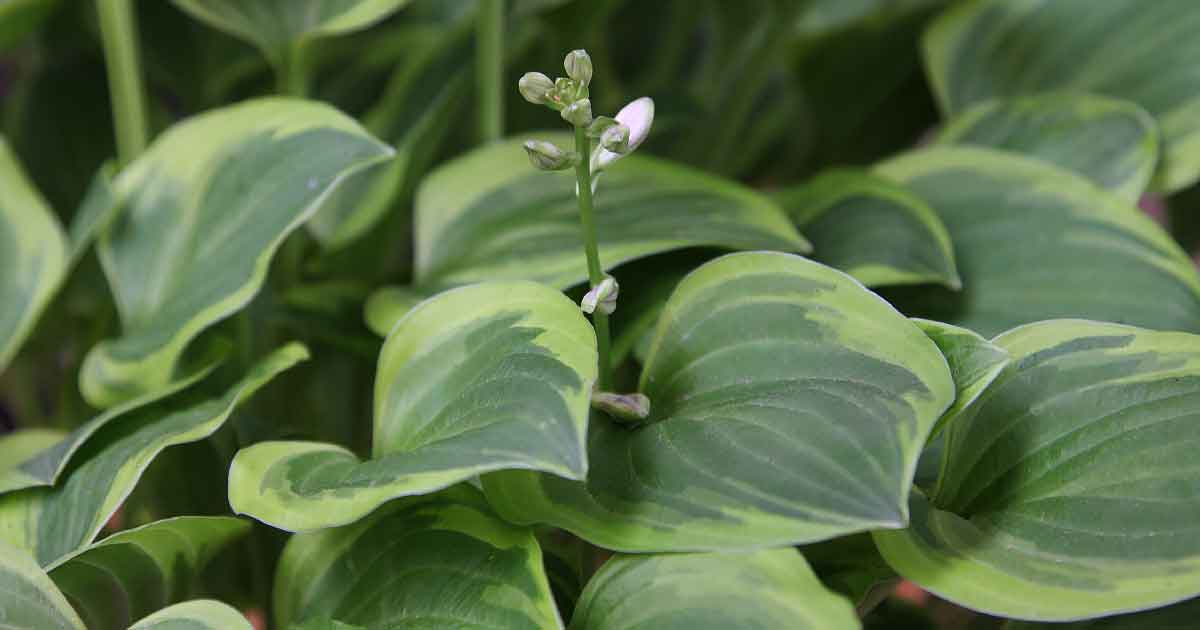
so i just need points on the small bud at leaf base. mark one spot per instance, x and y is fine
(616, 139)
(632, 407)
(535, 87)
(548, 157)
(578, 113)
(579, 66)
(602, 297)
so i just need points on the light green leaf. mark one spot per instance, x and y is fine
(33, 255)
(388, 305)
(43, 466)
(20, 446)
(198, 614)
(490, 215)
(136, 572)
(205, 208)
(425, 562)
(1177, 617)
(1112, 142)
(1034, 242)
(788, 405)
(31, 601)
(424, 96)
(1067, 489)
(872, 228)
(1129, 49)
(281, 27)
(974, 362)
(767, 589)
(53, 523)
(481, 378)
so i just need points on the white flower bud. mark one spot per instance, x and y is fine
(637, 117)
(547, 156)
(616, 139)
(634, 407)
(578, 113)
(579, 66)
(602, 297)
(536, 87)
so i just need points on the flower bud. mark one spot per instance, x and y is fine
(616, 139)
(578, 113)
(599, 126)
(579, 66)
(547, 156)
(535, 87)
(602, 297)
(633, 407)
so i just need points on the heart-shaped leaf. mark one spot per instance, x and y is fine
(31, 601)
(433, 561)
(279, 28)
(1129, 49)
(198, 614)
(1112, 142)
(1034, 242)
(490, 215)
(52, 523)
(773, 588)
(872, 228)
(481, 378)
(788, 405)
(974, 362)
(43, 466)
(1067, 489)
(136, 572)
(205, 208)
(33, 255)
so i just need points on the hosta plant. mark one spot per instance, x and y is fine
(323, 314)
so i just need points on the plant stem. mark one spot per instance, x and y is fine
(118, 30)
(583, 179)
(292, 76)
(489, 68)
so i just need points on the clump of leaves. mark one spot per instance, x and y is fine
(348, 356)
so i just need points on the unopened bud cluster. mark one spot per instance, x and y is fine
(567, 95)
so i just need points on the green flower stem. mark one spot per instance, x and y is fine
(489, 68)
(292, 78)
(583, 178)
(118, 31)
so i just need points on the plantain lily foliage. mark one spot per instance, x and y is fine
(355, 319)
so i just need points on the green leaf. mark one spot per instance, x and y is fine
(31, 601)
(873, 229)
(205, 208)
(773, 588)
(852, 566)
(388, 305)
(280, 27)
(44, 466)
(136, 572)
(53, 523)
(198, 614)
(490, 215)
(420, 103)
(974, 362)
(424, 562)
(1177, 617)
(1036, 242)
(20, 446)
(481, 378)
(1129, 49)
(789, 405)
(1067, 488)
(1112, 142)
(33, 255)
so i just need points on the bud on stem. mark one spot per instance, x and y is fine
(547, 156)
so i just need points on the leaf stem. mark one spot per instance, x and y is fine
(118, 32)
(292, 75)
(583, 180)
(489, 68)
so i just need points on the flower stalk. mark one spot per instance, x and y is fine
(591, 249)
